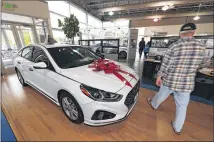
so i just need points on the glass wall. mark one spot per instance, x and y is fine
(59, 36)
(59, 7)
(117, 29)
(60, 10)
(94, 29)
(94, 22)
(80, 14)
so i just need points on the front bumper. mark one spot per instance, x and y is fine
(118, 108)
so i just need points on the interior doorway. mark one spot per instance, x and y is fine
(14, 37)
(9, 45)
(18, 35)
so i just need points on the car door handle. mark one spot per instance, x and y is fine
(30, 69)
(19, 62)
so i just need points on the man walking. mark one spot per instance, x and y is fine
(141, 46)
(177, 73)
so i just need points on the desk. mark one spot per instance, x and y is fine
(152, 60)
(207, 71)
(204, 81)
(151, 67)
(204, 86)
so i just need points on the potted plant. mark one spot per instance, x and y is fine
(70, 26)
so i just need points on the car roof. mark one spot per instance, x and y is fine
(58, 45)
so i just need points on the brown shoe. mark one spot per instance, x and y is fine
(178, 133)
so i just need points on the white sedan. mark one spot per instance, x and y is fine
(63, 74)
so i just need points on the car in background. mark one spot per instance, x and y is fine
(97, 49)
(122, 50)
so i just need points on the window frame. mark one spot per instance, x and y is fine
(26, 48)
(50, 66)
(93, 53)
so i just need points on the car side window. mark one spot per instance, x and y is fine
(27, 53)
(40, 56)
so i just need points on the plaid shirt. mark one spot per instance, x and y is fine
(180, 64)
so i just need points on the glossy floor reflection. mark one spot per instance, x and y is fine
(136, 64)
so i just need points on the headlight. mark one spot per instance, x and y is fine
(100, 95)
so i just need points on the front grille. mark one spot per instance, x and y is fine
(130, 99)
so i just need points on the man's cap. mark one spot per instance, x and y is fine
(188, 27)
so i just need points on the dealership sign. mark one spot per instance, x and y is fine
(8, 6)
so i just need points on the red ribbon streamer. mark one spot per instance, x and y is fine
(110, 67)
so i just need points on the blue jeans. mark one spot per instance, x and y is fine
(181, 101)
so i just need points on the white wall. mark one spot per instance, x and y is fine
(30, 8)
(170, 21)
(174, 29)
(173, 25)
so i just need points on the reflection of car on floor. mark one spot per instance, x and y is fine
(122, 50)
(61, 73)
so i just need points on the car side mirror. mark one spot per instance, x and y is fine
(40, 65)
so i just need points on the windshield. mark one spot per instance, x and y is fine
(69, 57)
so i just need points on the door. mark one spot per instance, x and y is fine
(14, 37)
(9, 46)
(40, 77)
(24, 63)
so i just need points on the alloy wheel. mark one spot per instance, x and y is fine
(70, 108)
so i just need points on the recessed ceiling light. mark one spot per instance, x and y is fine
(111, 13)
(156, 19)
(196, 18)
(165, 7)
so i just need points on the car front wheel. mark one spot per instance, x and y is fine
(71, 108)
(20, 77)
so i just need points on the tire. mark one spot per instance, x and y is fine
(122, 55)
(76, 117)
(20, 77)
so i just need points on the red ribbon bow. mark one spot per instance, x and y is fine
(110, 67)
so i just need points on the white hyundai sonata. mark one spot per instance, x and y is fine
(89, 88)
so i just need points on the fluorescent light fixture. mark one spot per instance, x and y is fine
(111, 13)
(165, 7)
(196, 18)
(156, 19)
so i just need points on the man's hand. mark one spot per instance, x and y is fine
(158, 81)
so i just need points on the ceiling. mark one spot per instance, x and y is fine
(144, 9)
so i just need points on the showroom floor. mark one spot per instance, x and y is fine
(34, 117)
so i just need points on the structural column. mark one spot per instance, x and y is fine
(132, 43)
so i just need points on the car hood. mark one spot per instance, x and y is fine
(99, 80)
